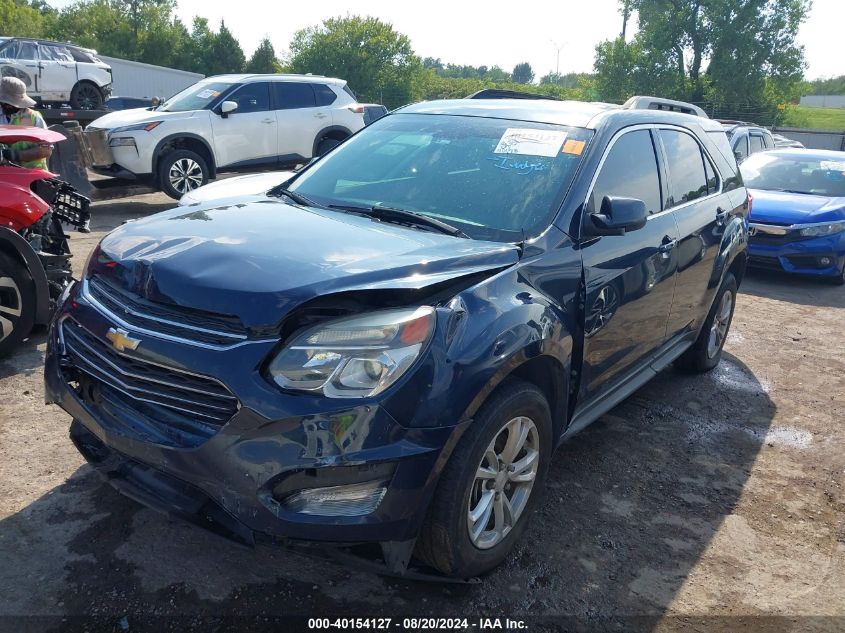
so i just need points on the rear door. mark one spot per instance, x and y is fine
(756, 142)
(248, 136)
(58, 72)
(299, 119)
(629, 279)
(700, 212)
(20, 59)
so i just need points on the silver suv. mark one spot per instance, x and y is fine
(227, 123)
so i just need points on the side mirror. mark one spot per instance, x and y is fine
(619, 215)
(228, 107)
(156, 102)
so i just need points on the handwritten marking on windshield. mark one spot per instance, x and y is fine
(522, 167)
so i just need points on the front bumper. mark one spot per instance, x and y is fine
(803, 257)
(232, 481)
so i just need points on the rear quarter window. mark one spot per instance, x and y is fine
(720, 150)
(325, 95)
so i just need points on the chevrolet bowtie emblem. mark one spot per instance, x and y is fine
(121, 340)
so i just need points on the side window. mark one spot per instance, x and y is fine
(687, 180)
(629, 171)
(325, 95)
(252, 98)
(756, 143)
(291, 95)
(741, 148)
(54, 53)
(26, 51)
(80, 56)
(712, 176)
(9, 51)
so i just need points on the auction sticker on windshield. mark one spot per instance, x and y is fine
(530, 142)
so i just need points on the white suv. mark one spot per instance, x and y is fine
(56, 73)
(227, 123)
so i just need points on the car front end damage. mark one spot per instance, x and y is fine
(328, 427)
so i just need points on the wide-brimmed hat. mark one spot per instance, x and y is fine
(13, 92)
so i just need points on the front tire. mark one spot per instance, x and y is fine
(181, 171)
(706, 352)
(490, 485)
(17, 303)
(86, 96)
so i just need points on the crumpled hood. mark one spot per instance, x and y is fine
(248, 185)
(781, 207)
(259, 259)
(122, 118)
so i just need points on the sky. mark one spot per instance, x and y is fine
(490, 33)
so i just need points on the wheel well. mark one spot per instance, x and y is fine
(335, 133)
(547, 374)
(88, 81)
(737, 267)
(188, 143)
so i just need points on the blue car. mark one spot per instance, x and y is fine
(387, 347)
(797, 221)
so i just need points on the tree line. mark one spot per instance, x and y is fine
(734, 57)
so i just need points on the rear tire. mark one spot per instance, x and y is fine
(706, 352)
(326, 145)
(481, 505)
(86, 96)
(840, 280)
(181, 171)
(17, 303)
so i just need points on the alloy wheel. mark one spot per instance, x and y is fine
(185, 175)
(11, 305)
(503, 482)
(88, 97)
(721, 321)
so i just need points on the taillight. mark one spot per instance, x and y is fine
(357, 109)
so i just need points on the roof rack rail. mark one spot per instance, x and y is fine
(658, 103)
(498, 93)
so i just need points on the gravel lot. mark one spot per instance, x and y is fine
(718, 495)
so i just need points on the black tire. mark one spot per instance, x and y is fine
(181, 171)
(840, 280)
(17, 303)
(86, 96)
(444, 542)
(701, 357)
(326, 145)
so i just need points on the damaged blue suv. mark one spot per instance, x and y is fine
(388, 347)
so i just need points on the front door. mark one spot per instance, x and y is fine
(247, 136)
(57, 72)
(629, 279)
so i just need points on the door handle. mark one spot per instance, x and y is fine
(268, 121)
(320, 115)
(722, 216)
(667, 245)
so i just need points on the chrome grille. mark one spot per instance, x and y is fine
(165, 319)
(183, 407)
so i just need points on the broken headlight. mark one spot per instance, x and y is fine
(354, 357)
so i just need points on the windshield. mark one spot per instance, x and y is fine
(196, 97)
(493, 179)
(817, 175)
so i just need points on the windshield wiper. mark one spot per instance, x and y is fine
(298, 198)
(402, 216)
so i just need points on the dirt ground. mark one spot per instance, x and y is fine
(702, 503)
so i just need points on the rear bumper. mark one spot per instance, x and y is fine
(234, 482)
(805, 257)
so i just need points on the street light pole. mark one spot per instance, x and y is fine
(558, 48)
